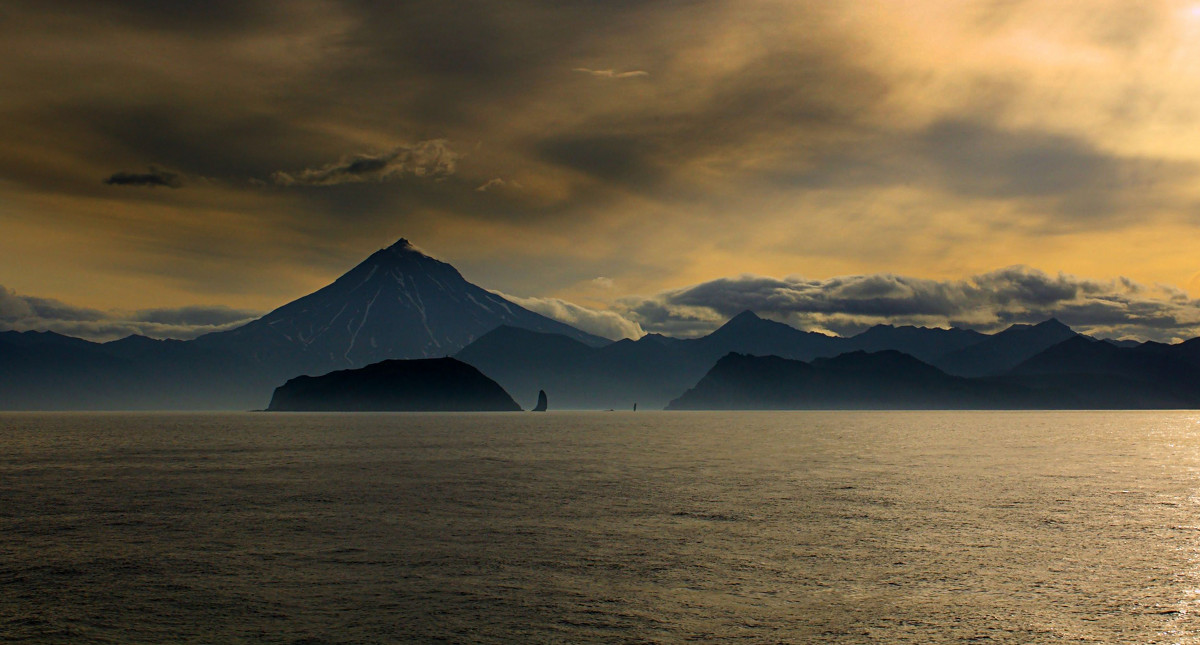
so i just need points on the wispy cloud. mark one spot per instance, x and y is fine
(497, 182)
(433, 158)
(612, 73)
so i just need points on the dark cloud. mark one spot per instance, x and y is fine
(617, 158)
(1065, 179)
(281, 99)
(426, 159)
(26, 313)
(212, 17)
(793, 103)
(153, 177)
(977, 160)
(988, 302)
(201, 138)
(441, 66)
(50, 309)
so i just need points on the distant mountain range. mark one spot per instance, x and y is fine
(855, 380)
(654, 370)
(402, 304)
(1077, 373)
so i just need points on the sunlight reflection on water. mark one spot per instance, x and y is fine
(911, 527)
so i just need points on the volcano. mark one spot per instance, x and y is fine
(399, 303)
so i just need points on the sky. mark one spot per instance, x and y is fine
(629, 166)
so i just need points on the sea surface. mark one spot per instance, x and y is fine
(648, 527)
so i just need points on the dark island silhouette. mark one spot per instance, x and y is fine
(421, 385)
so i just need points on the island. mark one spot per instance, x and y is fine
(1079, 373)
(418, 385)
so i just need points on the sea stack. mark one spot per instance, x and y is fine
(541, 404)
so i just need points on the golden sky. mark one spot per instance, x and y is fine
(234, 155)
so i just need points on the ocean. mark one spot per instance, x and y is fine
(619, 527)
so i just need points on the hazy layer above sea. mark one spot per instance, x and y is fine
(608, 527)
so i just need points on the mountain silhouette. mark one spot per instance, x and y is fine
(654, 369)
(1097, 374)
(1005, 350)
(1077, 373)
(651, 370)
(398, 303)
(41, 370)
(857, 380)
(747, 333)
(926, 343)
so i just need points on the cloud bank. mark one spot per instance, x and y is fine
(1118, 308)
(606, 324)
(30, 313)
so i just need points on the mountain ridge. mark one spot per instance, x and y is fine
(653, 371)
